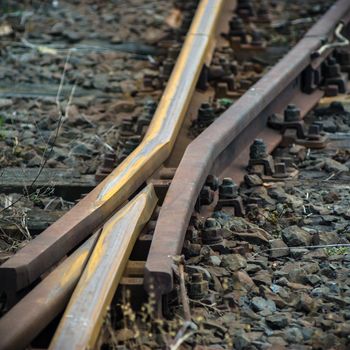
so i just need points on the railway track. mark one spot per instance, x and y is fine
(112, 223)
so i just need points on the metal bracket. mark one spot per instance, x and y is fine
(235, 203)
(315, 141)
(293, 132)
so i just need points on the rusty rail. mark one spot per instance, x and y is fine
(223, 140)
(91, 212)
(82, 320)
(227, 139)
(40, 306)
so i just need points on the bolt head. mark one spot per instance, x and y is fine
(291, 113)
(227, 189)
(280, 168)
(314, 129)
(206, 196)
(213, 182)
(258, 149)
(210, 223)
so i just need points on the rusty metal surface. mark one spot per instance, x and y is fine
(91, 212)
(82, 320)
(271, 137)
(39, 307)
(242, 121)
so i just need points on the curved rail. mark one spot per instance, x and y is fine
(82, 320)
(92, 211)
(230, 133)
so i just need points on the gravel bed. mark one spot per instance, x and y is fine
(71, 72)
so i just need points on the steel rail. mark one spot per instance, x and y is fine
(225, 139)
(38, 308)
(92, 211)
(82, 320)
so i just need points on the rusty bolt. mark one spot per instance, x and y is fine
(205, 115)
(211, 233)
(198, 287)
(226, 66)
(258, 149)
(280, 170)
(206, 196)
(314, 130)
(190, 249)
(228, 189)
(332, 68)
(237, 27)
(213, 182)
(257, 38)
(332, 73)
(291, 113)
